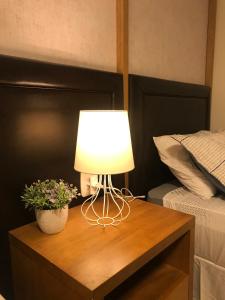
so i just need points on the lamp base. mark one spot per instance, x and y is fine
(111, 210)
(105, 221)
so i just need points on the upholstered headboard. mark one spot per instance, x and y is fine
(40, 104)
(158, 107)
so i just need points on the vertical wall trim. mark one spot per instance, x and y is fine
(210, 42)
(122, 51)
(122, 44)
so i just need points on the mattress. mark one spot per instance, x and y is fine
(157, 194)
(209, 219)
(209, 240)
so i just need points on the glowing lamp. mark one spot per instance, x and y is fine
(104, 148)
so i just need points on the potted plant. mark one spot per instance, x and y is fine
(50, 199)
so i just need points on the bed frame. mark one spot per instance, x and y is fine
(40, 104)
(159, 107)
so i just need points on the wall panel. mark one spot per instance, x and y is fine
(76, 32)
(167, 39)
(218, 87)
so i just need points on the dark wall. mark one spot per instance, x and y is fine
(40, 105)
(159, 107)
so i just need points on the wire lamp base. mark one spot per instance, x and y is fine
(112, 209)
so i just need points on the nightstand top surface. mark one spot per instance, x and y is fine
(95, 257)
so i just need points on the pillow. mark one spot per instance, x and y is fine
(209, 153)
(177, 158)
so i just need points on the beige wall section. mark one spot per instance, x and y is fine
(167, 39)
(218, 86)
(77, 32)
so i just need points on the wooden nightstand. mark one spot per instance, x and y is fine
(148, 256)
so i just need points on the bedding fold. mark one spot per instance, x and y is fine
(209, 262)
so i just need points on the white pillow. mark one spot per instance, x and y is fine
(209, 153)
(177, 158)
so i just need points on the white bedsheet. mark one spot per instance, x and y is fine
(209, 240)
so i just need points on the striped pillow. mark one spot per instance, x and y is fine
(178, 159)
(209, 152)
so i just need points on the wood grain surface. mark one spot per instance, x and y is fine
(95, 260)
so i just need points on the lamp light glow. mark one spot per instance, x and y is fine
(104, 143)
(104, 148)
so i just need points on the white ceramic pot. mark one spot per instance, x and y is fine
(53, 220)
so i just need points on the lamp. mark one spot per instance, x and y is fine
(104, 148)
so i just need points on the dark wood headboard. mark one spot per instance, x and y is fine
(40, 104)
(159, 107)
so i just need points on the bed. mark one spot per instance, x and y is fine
(160, 107)
(40, 104)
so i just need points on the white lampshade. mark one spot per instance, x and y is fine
(103, 142)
